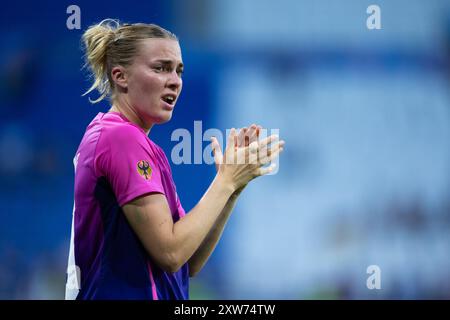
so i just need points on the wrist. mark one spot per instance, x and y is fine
(238, 191)
(225, 184)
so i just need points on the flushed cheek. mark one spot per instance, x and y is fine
(150, 91)
(147, 80)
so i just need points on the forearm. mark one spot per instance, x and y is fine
(208, 245)
(190, 231)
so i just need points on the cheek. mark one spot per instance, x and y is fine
(149, 84)
(146, 84)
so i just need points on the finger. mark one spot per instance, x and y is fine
(241, 137)
(267, 150)
(217, 151)
(231, 138)
(270, 155)
(251, 135)
(252, 153)
(253, 147)
(269, 158)
(258, 131)
(266, 170)
(230, 152)
(264, 142)
(241, 155)
(253, 157)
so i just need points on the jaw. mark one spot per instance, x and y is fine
(159, 116)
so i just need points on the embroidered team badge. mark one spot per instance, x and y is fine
(144, 169)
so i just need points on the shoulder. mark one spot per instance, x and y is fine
(158, 150)
(122, 136)
(122, 142)
(123, 132)
(156, 147)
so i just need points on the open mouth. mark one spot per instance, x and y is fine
(169, 99)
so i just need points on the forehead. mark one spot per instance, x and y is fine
(154, 49)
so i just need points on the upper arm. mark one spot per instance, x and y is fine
(128, 162)
(125, 158)
(150, 218)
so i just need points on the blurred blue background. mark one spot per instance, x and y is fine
(364, 179)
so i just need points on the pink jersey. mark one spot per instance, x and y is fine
(115, 163)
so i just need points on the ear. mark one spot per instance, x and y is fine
(119, 76)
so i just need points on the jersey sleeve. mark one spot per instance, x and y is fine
(126, 159)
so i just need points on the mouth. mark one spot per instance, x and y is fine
(169, 99)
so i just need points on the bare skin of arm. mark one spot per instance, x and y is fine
(201, 256)
(170, 244)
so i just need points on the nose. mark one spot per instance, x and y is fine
(174, 81)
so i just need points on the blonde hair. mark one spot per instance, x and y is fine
(109, 44)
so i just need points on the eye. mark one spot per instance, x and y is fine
(180, 72)
(163, 68)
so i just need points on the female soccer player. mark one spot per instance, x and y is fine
(131, 238)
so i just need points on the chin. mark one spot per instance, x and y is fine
(163, 118)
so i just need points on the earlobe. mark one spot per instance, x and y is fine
(119, 76)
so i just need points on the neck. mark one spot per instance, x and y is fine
(124, 108)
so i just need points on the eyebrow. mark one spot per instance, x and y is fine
(166, 61)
